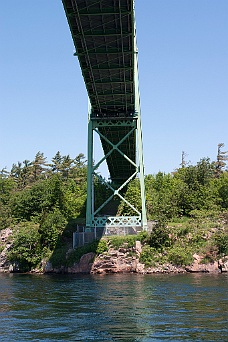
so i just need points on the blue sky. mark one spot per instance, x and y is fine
(183, 73)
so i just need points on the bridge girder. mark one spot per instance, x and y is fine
(104, 36)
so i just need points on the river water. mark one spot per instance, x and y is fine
(128, 307)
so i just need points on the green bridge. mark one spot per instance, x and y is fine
(104, 37)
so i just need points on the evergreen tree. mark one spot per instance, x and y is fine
(26, 173)
(57, 162)
(221, 160)
(66, 166)
(38, 166)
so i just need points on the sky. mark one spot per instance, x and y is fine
(183, 78)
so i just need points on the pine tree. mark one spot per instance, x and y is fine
(57, 162)
(39, 165)
(221, 160)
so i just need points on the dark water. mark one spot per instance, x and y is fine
(114, 308)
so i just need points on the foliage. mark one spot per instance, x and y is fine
(33, 201)
(222, 190)
(159, 238)
(101, 247)
(210, 252)
(222, 157)
(58, 256)
(43, 200)
(5, 219)
(143, 237)
(180, 255)
(148, 255)
(221, 241)
(74, 199)
(26, 249)
(133, 196)
(187, 189)
(51, 228)
(126, 241)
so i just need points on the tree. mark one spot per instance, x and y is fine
(133, 196)
(221, 160)
(51, 228)
(4, 173)
(222, 184)
(26, 173)
(39, 165)
(57, 162)
(41, 197)
(66, 165)
(205, 171)
(183, 160)
(26, 249)
(16, 171)
(79, 170)
(163, 194)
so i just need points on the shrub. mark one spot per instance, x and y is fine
(101, 247)
(147, 255)
(180, 256)
(143, 237)
(159, 237)
(221, 241)
(127, 241)
(58, 257)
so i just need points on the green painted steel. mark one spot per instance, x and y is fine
(104, 36)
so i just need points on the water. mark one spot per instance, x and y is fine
(128, 308)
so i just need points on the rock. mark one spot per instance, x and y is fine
(5, 234)
(6, 243)
(84, 265)
(138, 247)
(48, 268)
(11, 268)
(122, 250)
(197, 266)
(197, 257)
(115, 262)
(223, 264)
(140, 268)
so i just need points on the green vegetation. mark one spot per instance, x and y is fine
(123, 241)
(177, 242)
(42, 202)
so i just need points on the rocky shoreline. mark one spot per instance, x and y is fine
(121, 260)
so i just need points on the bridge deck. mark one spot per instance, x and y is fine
(103, 35)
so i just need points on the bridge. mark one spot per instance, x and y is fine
(104, 37)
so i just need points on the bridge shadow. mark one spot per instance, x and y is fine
(77, 247)
(75, 240)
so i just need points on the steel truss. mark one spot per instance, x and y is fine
(93, 218)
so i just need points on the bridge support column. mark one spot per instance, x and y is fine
(139, 137)
(95, 217)
(90, 184)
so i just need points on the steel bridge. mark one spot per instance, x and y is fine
(104, 37)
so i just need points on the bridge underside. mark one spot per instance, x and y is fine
(104, 37)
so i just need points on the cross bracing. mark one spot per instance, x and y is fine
(103, 33)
